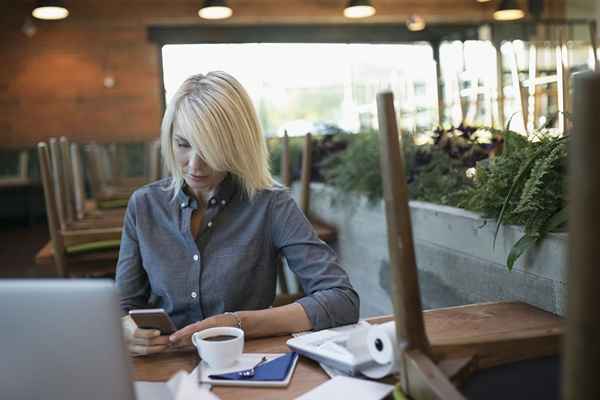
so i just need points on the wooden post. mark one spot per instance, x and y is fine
(306, 172)
(594, 44)
(499, 95)
(581, 356)
(286, 173)
(518, 89)
(439, 87)
(531, 89)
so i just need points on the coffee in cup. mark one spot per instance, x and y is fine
(219, 347)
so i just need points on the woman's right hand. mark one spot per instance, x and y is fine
(143, 341)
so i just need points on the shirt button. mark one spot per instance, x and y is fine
(223, 202)
(195, 257)
(194, 295)
(209, 224)
(213, 201)
(182, 205)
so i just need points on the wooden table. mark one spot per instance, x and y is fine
(451, 332)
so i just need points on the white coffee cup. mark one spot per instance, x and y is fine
(220, 347)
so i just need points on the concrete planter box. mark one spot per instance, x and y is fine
(455, 256)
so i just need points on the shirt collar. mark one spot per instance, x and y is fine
(222, 195)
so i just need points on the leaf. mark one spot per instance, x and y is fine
(557, 220)
(518, 249)
(510, 193)
(517, 181)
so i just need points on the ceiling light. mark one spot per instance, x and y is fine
(215, 9)
(415, 23)
(509, 10)
(359, 9)
(50, 9)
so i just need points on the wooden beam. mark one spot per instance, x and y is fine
(304, 33)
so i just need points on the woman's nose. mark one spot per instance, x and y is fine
(195, 163)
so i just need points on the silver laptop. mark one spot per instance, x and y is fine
(62, 339)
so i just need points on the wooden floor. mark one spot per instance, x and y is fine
(18, 245)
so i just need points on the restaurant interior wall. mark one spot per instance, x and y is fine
(95, 75)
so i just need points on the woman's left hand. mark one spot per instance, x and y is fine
(183, 337)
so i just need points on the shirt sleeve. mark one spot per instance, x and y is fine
(330, 298)
(131, 278)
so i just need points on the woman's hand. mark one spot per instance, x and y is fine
(183, 337)
(143, 341)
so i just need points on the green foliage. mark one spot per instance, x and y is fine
(523, 186)
(357, 169)
(275, 151)
(438, 180)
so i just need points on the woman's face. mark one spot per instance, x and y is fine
(199, 177)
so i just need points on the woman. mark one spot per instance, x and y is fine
(204, 243)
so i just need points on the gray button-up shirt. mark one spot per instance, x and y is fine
(231, 265)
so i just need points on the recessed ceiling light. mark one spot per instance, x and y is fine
(50, 10)
(509, 10)
(359, 9)
(215, 9)
(415, 23)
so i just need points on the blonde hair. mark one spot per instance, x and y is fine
(214, 113)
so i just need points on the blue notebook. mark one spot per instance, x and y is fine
(276, 371)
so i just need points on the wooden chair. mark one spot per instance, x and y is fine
(155, 170)
(106, 196)
(73, 203)
(473, 336)
(74, 251)
(326, 232)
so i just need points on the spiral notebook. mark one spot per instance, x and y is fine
(207, 375)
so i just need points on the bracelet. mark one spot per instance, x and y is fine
(238, 320)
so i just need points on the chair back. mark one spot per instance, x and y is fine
(78, 181)
(57, 180)
(51, 209)
(407, 296)
(67, 182)
(24, 165)
(94, 169)
(155, 170)
(306, 174)
(286, 173)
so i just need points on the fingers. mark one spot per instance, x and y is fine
(146, 333)
(184, 336)
(145, 350)
(154, 341)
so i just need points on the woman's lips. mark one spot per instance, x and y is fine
(198, 177)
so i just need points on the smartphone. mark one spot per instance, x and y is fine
(153, 318)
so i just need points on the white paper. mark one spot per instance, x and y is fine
(151, 391)
(347, 388)
(182, 386)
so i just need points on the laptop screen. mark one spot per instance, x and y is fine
(62, 339)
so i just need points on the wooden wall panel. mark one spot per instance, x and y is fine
(51, 84)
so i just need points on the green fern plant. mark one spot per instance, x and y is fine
(523, 186)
